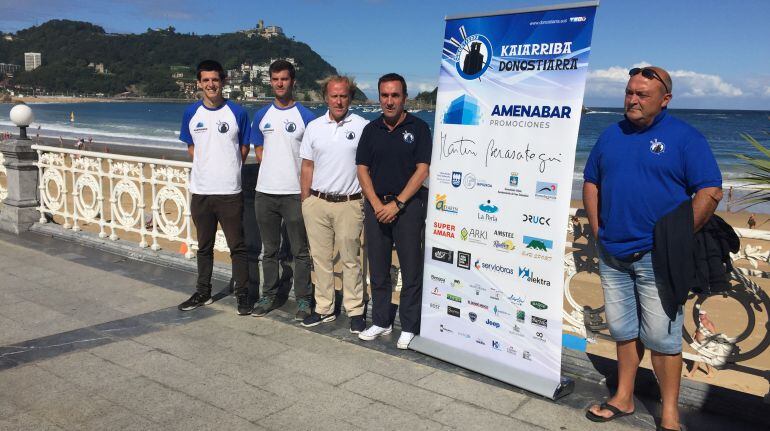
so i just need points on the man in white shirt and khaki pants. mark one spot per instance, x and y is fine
(332, 204)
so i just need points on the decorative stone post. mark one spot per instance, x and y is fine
(19, 209)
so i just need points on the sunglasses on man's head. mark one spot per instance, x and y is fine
(647, 73)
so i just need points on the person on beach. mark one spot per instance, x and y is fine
(216, 132)
(752, 222)
(332, 205)
(640, 169)
(276, 134)
(393, 159)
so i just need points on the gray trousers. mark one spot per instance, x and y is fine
(272, 212)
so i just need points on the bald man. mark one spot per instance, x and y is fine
(641, 169)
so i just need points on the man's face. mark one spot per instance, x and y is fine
(211, 85)
(645, 98)
(392, 100)
(282, 84)
(338, 99)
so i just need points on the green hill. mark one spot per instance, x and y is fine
(142, 63)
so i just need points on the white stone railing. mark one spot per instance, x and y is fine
(4, 176)
(113, 192)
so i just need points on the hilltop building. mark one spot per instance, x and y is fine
(261, 30)
(32, 60)
(9, 69)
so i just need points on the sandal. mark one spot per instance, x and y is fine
(616, 413)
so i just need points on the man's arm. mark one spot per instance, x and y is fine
(191, 151)
(258, 149)
(368, 188)
(591, 205)
(305, 178)
(704, 204)
(244, 153)
(389, 212)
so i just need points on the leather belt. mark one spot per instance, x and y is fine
(336, 198)
(387, 198)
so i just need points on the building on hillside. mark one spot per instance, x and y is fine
(32, 60)
(9, 69)
(261, 30)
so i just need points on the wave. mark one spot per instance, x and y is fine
(603, 112)
(78, 132)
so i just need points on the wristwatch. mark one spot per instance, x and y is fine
(399, 204)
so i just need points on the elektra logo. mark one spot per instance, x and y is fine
(487, 211)
(445, 230)
(536, 219)
(441, 204)
(443, 255)
(546, 190)
(495, 344)
(529, 275)
(492, 323)
(472, 54)
(464, 111)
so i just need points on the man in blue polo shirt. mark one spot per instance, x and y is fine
(393, 158)
(640, 169)
(216, 133)
(276, 134)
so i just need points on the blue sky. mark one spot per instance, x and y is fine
(717, 51)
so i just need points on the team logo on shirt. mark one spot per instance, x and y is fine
(290, 126)
(199, 125)
(350, 135)
(267, 128)
(223, 127)
(657, 147)
(408, 137)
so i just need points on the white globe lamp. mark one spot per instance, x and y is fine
(21, 115)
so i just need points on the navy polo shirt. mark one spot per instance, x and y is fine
(392, 156)
(644, 174)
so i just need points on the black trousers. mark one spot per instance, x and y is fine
(407, 233)
(227, 210)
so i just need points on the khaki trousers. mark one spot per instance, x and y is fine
(330, 226)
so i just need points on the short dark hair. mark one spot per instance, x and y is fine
(281, 65)
(392, 77)
(210, 66)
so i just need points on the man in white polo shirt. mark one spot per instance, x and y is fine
(332, 205)
(216, 133)
(276, 133)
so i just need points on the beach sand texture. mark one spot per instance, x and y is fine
(730, 316)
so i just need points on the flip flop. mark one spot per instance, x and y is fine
(616, 413)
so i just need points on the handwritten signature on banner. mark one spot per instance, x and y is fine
(464, 147)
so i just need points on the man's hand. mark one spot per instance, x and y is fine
(387, 213)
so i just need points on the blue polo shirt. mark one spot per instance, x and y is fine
(644, 174)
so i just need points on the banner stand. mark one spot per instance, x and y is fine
(490, 368)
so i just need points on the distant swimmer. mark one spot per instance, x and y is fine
(628, 200)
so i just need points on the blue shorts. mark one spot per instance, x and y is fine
(633, 307)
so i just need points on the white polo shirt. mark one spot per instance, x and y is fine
(218, 135)
(331, 146)
(279, 131)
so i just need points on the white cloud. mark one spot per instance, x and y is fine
(611, 82)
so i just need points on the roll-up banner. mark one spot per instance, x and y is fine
(510, 95)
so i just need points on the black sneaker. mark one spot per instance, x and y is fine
(357, 324)
(243, 305)
(316, 319)
(196, 300)
(264, 306)
(303, 309)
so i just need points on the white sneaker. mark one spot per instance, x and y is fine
(374, 331)
(404, 340)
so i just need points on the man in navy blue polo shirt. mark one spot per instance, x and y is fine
(393, 158)
(216, 132)
(640, 169)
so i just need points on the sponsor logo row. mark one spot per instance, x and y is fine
(544, 190)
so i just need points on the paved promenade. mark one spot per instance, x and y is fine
(94, 341)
